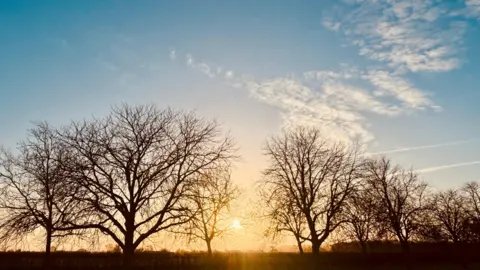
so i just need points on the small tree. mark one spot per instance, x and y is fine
(135, 167)
(283, 216)
(317, 176)
(472, 194)
(210, 203)
(360, 214)
(472, 191)
(449, 211)
(35, 189)
(400, 196)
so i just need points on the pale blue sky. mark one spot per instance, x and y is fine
(397, 74)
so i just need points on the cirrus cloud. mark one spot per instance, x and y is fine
(327, 99)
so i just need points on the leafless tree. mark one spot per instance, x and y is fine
(283, 216)
(316, 176)
(450, 215)
(136, 166)
(360, 213)
(400, 196)
(34, 188)
(472, 193)
(210, 203)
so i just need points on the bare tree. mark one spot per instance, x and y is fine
(283, 216)
(472, 193)
(136, 166)
(316, 176)
(400, 196)
(360, 214)
(450, 215)
(210, 202)
(35, 192)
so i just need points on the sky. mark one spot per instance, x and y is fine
(401, 76)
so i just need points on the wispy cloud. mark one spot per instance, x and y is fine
(473, 8)
(202, 67)
(405, 149)
(326, 99)
(449, 166)
(402, 36)
(408, 35)
(173, 54)
(388, 84)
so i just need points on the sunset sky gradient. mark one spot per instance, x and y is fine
(402, 76)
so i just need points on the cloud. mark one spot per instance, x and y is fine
(402, 36)
(407, 35)
(229, 74)
(330, 25)
(301, 105)
(384, 85)
(357, 98)
(202, 67)
(449, 166)
(173, 54)
(473, 8)
(326, 99)
(405, 149)
(387, 83)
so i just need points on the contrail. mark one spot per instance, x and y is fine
(423, 147)
(444, 167)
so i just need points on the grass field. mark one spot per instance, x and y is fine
(245, 261)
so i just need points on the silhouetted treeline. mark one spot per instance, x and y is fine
(314, 188)
(140, 170)
(128, 175)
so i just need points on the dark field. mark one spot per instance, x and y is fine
(246, 261)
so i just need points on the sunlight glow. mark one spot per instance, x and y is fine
(236, 224)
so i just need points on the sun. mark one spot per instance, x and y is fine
(236, 224)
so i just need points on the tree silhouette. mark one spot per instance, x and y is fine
(283, 216)
(35, 190)
(314, 174)
(450, 215)
(360, 214)
(135, 168)
(210, 202)
(472, 193)
(400, 196)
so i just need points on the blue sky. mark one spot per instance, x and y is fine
(395, 74)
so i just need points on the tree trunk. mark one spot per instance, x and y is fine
(48, 248)
(363, 246)
(209, 247)
(314, 237)
(315, 247)
(405, 246)
(299, 244)
(128, 248)
(128, 252)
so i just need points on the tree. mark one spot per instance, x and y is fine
(135, 168)
(210, 202)
(400, 196)
(283, 216)
(35, 189)
(360, 214)
(315, 175)
(472, 193)
(450, 215)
